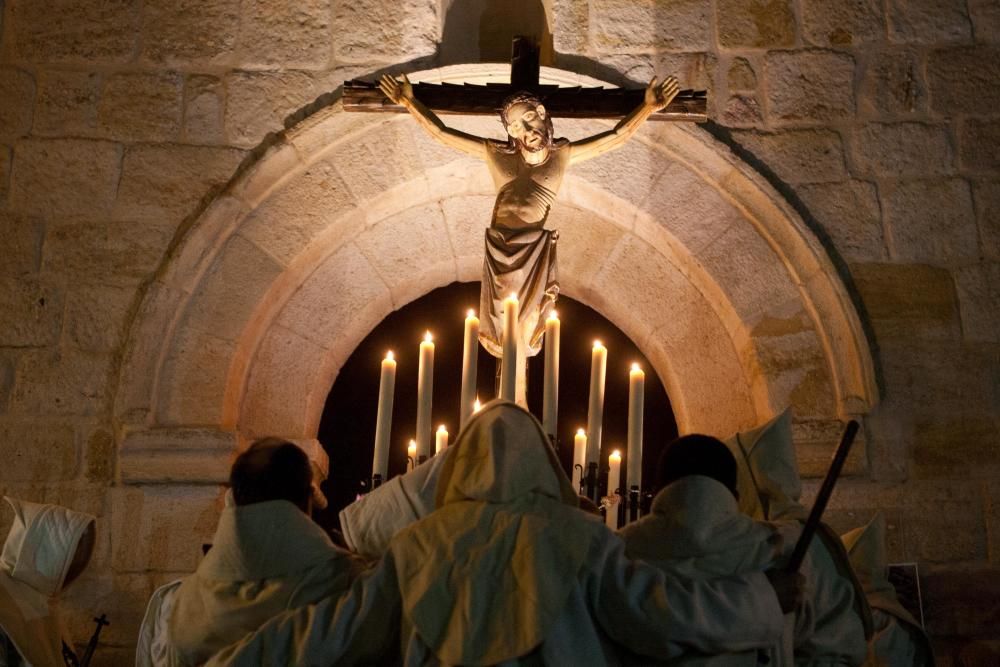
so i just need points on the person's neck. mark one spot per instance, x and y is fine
(535, 157)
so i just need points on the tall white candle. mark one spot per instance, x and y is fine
(411, 453)
(614, 482)
(425, 391)
(383, 420)
(550, 400)
(636, 393)
(579, 457)
(440, 439)
(595, 411)
(470, 357)
(508, 367)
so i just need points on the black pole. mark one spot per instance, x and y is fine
(376, 480)
(591, 482)
(633, 503)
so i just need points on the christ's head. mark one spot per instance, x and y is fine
(526, 122)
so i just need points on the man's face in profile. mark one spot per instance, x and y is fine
(528, 125)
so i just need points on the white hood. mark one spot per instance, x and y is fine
(41, 544)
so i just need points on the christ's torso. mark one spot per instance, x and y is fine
(525, 192)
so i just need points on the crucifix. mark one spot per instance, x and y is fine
(527, 170)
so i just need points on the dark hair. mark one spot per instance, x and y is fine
(697, 454)
(272, 469)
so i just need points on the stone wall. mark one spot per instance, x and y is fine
(877, 121)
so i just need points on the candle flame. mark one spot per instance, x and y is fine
(477, 406)
(598, 344)
(428, 337)
(412, 448)
(616, 454)
(389, 356)
(636, 367)
(513, 296)
(442, 429)
(470, 313)
(553, 315)
(580, 431)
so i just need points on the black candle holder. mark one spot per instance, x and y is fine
(591, 483)
(376, 481)
(633, 503)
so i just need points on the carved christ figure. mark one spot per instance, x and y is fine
(527, 171)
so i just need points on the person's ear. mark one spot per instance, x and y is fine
(540, 110)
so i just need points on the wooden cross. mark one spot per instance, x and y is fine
(561, 102)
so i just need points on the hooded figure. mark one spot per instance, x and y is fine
(900, 641)
(507, 570)
(48, 546)
(769, 490)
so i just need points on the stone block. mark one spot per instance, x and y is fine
(961, 446)
(797, 156)
(570, 26)
(232, 289)
(115, 253)
(141, 107)
(741, 111)
(161, 528)
(35, 452)
(177, 455)
(766, 24)
(270, 406)
(795, 371)
(741, 76)
(96, 317)
(928, 21)
(961, 600)
(809, 86)
(194, 379)
(363, 166)
(985, 16)
(204, 100)
(412, 257)
(20, 243)
(67, 103)
(17, 90)
(5, 159)
(916, 212)
(330, 302)
(50, 382)
(370, 30)
(99, 457)
(986, 194)
(279, 34)
(850, 216)
(908, 301)
(189, 31)
(980, 146)
(258, 102)
(123, 597)
(168, 181)
(32, 311)
(625, 26)
(629, 173)
(901, 149)
(64, 177)
(964, 80)
(586, 240)
(8, 365)
(892, 84)
(816, 441)
(978, 288)
(842, 23)
(71, 31)
(291, 218)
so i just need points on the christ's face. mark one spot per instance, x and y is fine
(529, 126)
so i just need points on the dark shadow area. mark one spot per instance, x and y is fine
(481, 31)
(347, 428)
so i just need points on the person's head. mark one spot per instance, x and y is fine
(697, 454)
(272, 469)
(526, 121)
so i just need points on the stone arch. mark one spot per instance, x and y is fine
(350, 216)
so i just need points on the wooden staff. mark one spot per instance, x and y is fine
(825, 491)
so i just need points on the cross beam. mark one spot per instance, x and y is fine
(561, 102)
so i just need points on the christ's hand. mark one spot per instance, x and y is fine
(658, 96)
(397, 91)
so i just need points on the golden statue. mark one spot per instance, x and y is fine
(527, 171)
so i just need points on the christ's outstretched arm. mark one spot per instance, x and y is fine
(401, 92)
(658, 96)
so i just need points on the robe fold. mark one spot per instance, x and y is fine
(508, 571)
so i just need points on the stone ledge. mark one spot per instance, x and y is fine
(172, 455)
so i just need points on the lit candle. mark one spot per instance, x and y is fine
(579, 457)
(636, 392)
(425, 390)
(550, 401)
(441, 439)
(411, 453)
(383, 421)
(595, 412)
(614, 480)
(470, 356)
(476, 406)
(508, 367)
